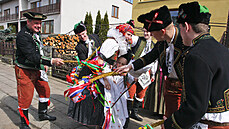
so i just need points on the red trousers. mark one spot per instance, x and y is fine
(172, 95)
(27, 80)
(136, 88)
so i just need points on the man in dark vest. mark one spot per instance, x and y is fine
(205, 98)
(167, 50)
(30, 65)
(88, 110)
(88, 43)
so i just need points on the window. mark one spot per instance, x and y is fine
(174, 14)
(114, 11)
(17, 10)
(146, 1)
(47, 27)
(7, 14)
(129, 1)
(53, 1)
(35, 4)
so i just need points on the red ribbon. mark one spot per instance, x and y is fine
(22, 115)
(49, 102)
(155, 21)
(107, 119)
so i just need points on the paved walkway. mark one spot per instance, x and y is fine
(9, 115)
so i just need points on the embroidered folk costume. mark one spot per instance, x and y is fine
(29, 69)
(205, 91)
(168, 55)
(90, 110)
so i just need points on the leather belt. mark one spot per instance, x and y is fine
(213, 123)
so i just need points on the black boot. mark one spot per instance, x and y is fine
(129, 107)
(23, 122)
(42, 112)
(134, 111)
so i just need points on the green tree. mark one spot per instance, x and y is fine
(89, 25)
(104, 28)
(106, 23)
(86, 19)
(98, 23)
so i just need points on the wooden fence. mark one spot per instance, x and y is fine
(8, 49)
(62, 71)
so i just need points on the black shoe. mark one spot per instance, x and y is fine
(126, 123)
(42, 112)
(134, 111)
(45, 116)
(135, 116)
(129, 106)
(23, 124)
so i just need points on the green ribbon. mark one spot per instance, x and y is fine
(203, 9)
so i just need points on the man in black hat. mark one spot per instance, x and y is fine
(167, 50)
(205, 100)
(87, 43)
(89, 110)
(30, 65)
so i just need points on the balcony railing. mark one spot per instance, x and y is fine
(11, 17)
(47, 9)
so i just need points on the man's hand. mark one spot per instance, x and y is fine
(163, 126)
(46, 68)
(107, 84)
(57, 61)
(123, 69)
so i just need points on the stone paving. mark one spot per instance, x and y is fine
(9, 115)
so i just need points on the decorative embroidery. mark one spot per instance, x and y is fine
(226, 97)
(140, 49)
(183, 95)
(222, 104)
(177, 54)
(200, 37)
(175, 123)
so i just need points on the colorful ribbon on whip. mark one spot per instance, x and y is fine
(151, 126)
(75, 91)
(89, 82)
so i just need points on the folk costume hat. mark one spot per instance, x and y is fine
(123, 28)
(109, 51)
(79, 27)
(34, 15)
(131, 22)
(156, 19)
(193, 13)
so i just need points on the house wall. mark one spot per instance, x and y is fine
(73, 12)
(9, 5)
(218, 9)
